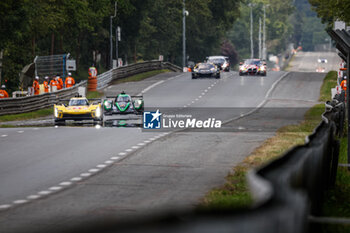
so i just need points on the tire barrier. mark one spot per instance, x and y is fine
(92, 83)
(36, 102)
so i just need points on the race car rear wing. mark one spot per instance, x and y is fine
(91, 101)
(132, 96)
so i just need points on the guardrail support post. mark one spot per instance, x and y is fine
(348, 101)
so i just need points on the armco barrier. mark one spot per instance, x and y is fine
(32, 103)
(124, 71)
(287, 192)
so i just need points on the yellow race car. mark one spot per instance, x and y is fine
(78, 109)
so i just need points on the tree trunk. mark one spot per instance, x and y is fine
(33, 45)
(135, 54)
(52, 43)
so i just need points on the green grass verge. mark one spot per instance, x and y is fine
(141, 76)
(27, 116)
(94, 94)
(330, 81)
(235, 193)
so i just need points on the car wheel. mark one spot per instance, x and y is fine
(217, 76)
(193, 77)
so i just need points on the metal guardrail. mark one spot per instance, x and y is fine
(32, 103)
(125, 71)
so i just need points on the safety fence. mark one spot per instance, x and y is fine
(32, 103)
(125, 71)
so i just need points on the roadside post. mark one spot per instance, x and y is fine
(342, 39)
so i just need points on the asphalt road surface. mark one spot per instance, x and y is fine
(52, 178)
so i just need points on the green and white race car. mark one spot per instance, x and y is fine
(123, 104)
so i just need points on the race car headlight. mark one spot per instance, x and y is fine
(195, 70)
(107, 105)
(262, 67)
(212, 69)
(98, 112)
(138, 103)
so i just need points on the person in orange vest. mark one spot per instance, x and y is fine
(53, 83)
(36, 86)
(343, 85)
(46, 85)
(3, 92)
(92, 72)
(60, 83)
(69, 82)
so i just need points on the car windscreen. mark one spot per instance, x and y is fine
(253, 62)
(216, 60)
(205, 66)
(78, 102)
(123, 98)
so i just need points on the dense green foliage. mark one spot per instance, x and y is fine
(278, 26)
(330, 11)
(81, 27)
(308, 29)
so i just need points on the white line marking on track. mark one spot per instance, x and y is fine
(109, 162)
(93, 170)
(122, 153)
(115, 158)
(20, 131)
(76, 179)
(55, 188)
(146, 141)
(101, 166)
(20, 201)
(4, 135)
(150, 87)
(128, 150)
(141, 144)
(66, 183)
(44, 192)
(85, 174)
(33, 197)
(135, 147)
(2, 207)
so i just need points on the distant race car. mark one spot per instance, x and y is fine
(221, 61)
(252, 67)
(78, 109)
(322, 60)
(205, 70)
(320, 69)
(123, 104)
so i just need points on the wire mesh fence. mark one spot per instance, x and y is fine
(51, 65)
